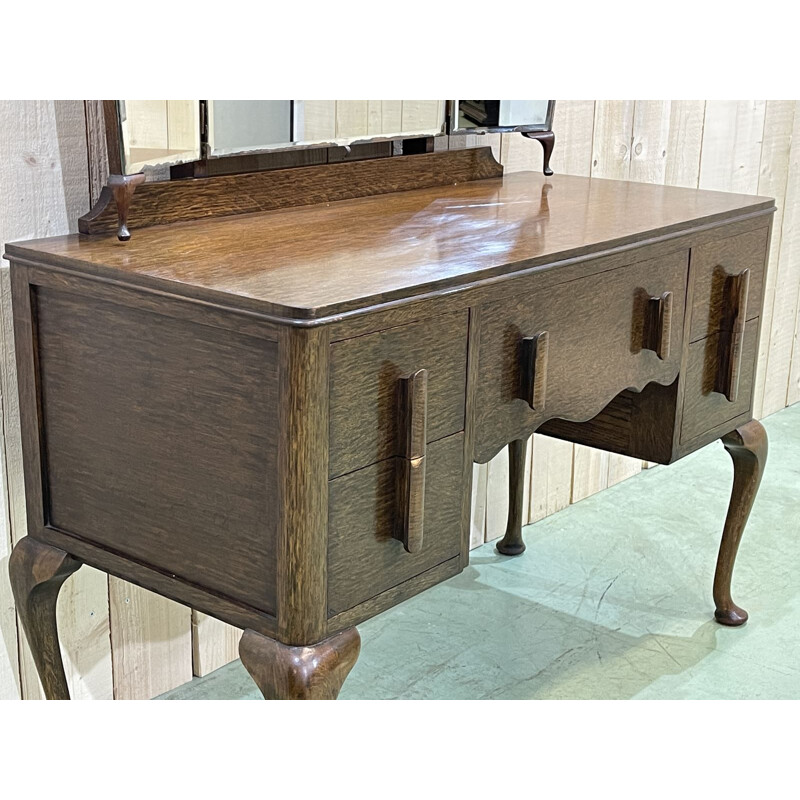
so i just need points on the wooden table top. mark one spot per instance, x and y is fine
(318, 261)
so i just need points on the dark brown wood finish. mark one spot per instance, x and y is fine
(228, 411)
(162, 203)
(704, 406)
(37, 572)
(317, 263)
(411, 464)
(512, 543)
(572, 314)
(548, 141)
(302, 475)
(122, 188)
(747, 446)
(365, 383)
(160, 441)
(364, 557)
(716, 266)
(313, 672)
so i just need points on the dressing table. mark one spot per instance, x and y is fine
(267, 404)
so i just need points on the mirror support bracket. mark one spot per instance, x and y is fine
(548, 140)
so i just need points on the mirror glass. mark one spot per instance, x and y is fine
(158, 132)
(501, 114)
(241, 126)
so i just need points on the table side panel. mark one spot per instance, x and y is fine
(160, 441)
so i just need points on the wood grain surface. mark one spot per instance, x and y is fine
(364, 559)
(364, 386)
(703, 407)
(715, 262)
(596, 347)
(157, 432)
(163, 203)
(317, 261)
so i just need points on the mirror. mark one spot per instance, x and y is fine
(157, 132)
(246, 126)
(484, 116)
(169, 132)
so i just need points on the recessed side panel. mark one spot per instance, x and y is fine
(160, 441)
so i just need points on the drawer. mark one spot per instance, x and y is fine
(363, 557)
(704, 408)
(364, 383)
(602, 334)
(714, 267)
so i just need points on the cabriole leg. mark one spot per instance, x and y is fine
(313, 672)
(511, 544)
(747, 446)
(37, 572)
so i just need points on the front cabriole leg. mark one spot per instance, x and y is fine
(512, 544)
(311, 672)
(37, 572)
(747, 446)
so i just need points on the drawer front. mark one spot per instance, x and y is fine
(364, 386)
(714, 267)
(600, 331)
(364, 559)
(704, 408)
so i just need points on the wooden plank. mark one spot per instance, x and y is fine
(685, 141)
(9, 650)
(651, 127)
(214, 643)
(43, 166)
(551, 476)
(612, 153)
(497, 496)
(589, 472)
(611, 143)
(780, 369)
(573, 126)
(772, 182)
(151, 642)
(732, 136)
(477, 528)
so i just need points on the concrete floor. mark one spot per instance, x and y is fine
(611, 600)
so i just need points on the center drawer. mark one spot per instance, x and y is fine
(364, 380)
(566, 351)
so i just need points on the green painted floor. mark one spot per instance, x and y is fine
(612, 599)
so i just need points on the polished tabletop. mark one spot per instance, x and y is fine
(319, 261)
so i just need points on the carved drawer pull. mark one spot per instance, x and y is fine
(658, 326)
(731, 340)
(413, 423)
(534, 370)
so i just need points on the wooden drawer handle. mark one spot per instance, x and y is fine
(658, 326)
(413, 425)
(533, 374)
(731, 339)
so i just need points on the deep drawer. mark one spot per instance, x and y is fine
(363, 557)
(704, 408)
(714, 269)
(602, 337)
(364, 385)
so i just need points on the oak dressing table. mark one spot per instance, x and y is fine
(267, 403)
